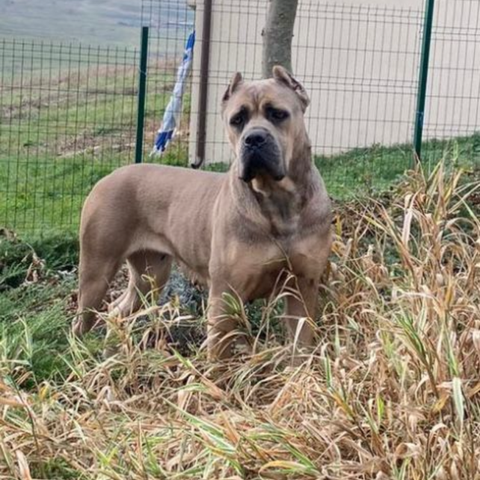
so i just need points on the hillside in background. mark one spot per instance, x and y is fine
(112, 22)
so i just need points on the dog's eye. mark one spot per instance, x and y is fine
(278, 115)
(238, 119)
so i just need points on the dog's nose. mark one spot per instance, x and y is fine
(255, 139)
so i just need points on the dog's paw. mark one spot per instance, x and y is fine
(78, 328)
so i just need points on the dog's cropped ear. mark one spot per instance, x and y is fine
(235, 82)
(282, 75)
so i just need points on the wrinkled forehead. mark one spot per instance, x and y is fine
(255, 96)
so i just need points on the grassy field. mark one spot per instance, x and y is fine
(392, 390)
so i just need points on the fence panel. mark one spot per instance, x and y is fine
(67, 118)
(452, 119)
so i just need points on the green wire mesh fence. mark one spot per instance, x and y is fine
(67, 119)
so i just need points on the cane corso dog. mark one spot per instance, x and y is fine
(241, 232)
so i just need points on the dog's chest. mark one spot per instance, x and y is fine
(274, 263)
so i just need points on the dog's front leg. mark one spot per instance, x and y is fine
(221, 323)
(300, 311)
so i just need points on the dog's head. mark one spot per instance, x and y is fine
(264, 122)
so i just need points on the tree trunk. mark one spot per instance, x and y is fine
(278, 35)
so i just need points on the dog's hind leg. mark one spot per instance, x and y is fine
(149, 272)
(95, 277)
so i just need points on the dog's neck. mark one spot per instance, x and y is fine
(279, 203)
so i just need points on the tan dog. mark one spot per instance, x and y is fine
(239, 232)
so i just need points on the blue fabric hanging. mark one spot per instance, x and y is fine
(173, 111)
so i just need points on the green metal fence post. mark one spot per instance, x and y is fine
(142, 87)
(423, 78)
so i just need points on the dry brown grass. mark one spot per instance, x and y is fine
(391, 392)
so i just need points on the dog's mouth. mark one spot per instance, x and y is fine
(265, 161)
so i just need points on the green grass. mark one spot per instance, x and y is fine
(34, 292)
(365, 171)
(34, 322)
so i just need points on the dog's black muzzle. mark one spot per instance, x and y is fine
(260, 155)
